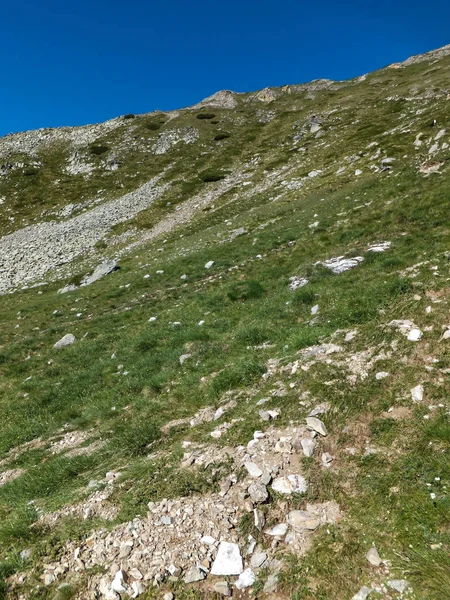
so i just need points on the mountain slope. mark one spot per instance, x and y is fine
(282, 258)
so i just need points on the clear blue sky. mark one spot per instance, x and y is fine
(71, 63)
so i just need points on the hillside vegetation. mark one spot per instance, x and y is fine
(252, 400)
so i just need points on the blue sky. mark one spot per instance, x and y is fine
(71, 63)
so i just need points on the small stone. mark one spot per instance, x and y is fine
(327, 459)
(317, 425)
(194, 574)
(417, 393)
(228, 560)
(168, 596)
(315, 309)
(222, 588)
(258, 560)
(174, 570)
(290, 484)
(138, 589)
(271, 584)
(278, 531)
(246, 579)
(67, 340)
(303, 520)
(259, 519)
(308, 445)
(208, 540)
(381, 375)
(258, 492)
(362, 594)
(253, 469)
(184, 357)
(25, 554)
(209, 264)
(399, 585)
(119, 582)
(414, 335)
(373, 557)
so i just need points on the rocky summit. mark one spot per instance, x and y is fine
(224, 347)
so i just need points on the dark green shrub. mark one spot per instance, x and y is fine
(153, 126)
(245, 290)
(98, 149)
(221, 136)
(202, 116)
(129, 116)
(208, 176)
(304, 295)
(214, 122)
(30, 171)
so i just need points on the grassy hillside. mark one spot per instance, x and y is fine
(269, 191)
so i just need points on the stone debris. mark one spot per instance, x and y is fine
(107, 267)
(183, 537)
(381, 375)
(68, 288)
(66, 340)
(209, 264)
(340, 264)
(253, 469)
(415, 335)
(373, 557)
(308, 446)
(407, 328)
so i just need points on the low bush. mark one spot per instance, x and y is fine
(129, 116)
(221, 136)
(245, 290)
(203, 116)
(209, 176)
(98, 149)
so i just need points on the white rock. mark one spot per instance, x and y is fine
(152, 319)
(308, 445)
(222, 588)
(67, 340)
(253, 469)
(303, 520)
(417, 393)
(137, 588)
(339, 264)
(290, 484)
(118, 584)
(228, 560)
(414, 335)
(362, 594)
(168, 596)
(373, 557)
(358, 172)
(381, 375)
(399, 585)
(316, 425)
(209, 264)
(258, 559)
(278, 531)
(194, 574)
(184, 357)
(315, 309)
(208, 540)
(246, 579)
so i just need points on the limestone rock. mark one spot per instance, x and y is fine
(222, 588)
(373, 557)
(228, 560)
(362, 594)
(194, 574)
(107, 267)
(67, 340)
(317, 425)
(399, 585)
(246, 579)
(290, 484)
